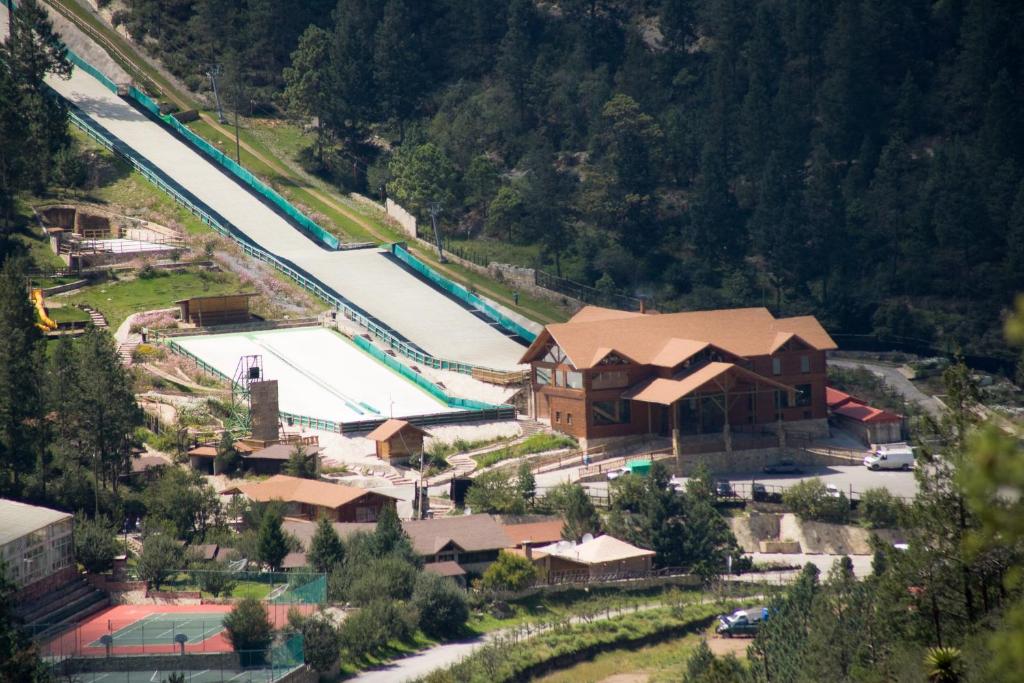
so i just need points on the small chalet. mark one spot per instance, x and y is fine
(871, 425)
(593, 558)
(398, 440)
(711, 380)
(216, 310)
(310, 499)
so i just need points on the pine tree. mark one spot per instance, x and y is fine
(398, 63)
(516, 53)
(20, 365)
(326, 550)
(271, 544)
(307, 81)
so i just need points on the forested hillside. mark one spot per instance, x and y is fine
(858, 159)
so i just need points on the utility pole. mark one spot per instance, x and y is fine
(213, 72)
(435, 209)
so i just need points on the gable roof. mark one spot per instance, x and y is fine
(469, 532)
(862, 412)
(298, 490)
(448, 568)
(390, 428)
(548, 531)
(20, 519)
(597, 551)
(666, 391)
(742, 332)
(279, 451)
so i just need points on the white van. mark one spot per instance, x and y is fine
(891, 457)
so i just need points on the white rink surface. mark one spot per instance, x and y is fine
(319, 374)
(367, 278)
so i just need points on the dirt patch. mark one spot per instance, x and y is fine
(728, 646)
(633, 677)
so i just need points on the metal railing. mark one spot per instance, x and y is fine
(221, 226)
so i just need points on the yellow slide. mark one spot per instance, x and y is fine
(45, 323)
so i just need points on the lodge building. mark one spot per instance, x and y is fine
(710, 380)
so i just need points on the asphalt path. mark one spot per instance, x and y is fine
(896, 380)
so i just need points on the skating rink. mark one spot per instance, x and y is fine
(319, 373)
(367, 278)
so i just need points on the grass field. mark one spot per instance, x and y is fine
(655, 663)
(118, 300)
(68, 314)
(537, 443)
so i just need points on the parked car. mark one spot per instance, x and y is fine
(617, 472)
(783, 466)
(723, 489)
(742, 622)
(895, 457)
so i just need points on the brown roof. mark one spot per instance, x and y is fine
(294, 561)
(448, 568)
(204, 452)
(211, 297)
(664, 339)
(667, 391)
(533, 533)
(469, 532)
(298, 490)
(303, 529)
(392, 427)
(205, 551)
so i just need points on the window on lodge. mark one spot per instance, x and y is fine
(781, 399)
(610, 412)
(776, 366)
(574, 379)
(609, 379)
(805, 364)
(543, 375)
(803, 394)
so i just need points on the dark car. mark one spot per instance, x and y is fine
(723, 489)
(759, 493)
(743, 622)
(784, 466)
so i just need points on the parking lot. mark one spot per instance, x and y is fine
(846, 478)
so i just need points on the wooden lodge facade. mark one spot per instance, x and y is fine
(723, 374)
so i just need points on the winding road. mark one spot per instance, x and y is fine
(894, 378)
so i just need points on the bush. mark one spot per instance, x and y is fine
(809, 499)
(321, 644)
(386, 578)
(249, 631)
(509, 573)
(160, 556)
(95, 543)
(880, 509)
(370, 629)
(441, 604)
(214, 578)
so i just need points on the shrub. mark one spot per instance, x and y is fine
(161, 555)
(390, 578)
(441, 605)
(509, 573)
(320, 640)
(249, 631)
(371, 628)
(809, 499)
(95, 543)
(880, 509)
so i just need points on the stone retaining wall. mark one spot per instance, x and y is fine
(170, 662)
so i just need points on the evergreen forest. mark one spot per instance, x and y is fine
(860, 160)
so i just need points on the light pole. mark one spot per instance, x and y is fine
(435, 209)
(213, 72)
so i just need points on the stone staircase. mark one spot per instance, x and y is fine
(127, 348)
(531, 427)
(462, 464)
(70, 603)
(95, 316)
(396, 478)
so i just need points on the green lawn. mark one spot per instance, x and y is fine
(662, 662)
(117, 300)
(68, 314)
(537, 443)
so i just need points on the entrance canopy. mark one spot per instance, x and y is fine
(718, 377)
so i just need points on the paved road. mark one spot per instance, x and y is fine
(896, 380)
(367, 278)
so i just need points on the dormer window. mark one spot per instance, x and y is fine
(776, 366)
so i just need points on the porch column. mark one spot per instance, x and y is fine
(677, 446)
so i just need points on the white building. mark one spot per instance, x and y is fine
(36, 547)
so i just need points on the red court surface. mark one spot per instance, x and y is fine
(150, 629)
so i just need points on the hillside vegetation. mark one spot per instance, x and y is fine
(855, 159)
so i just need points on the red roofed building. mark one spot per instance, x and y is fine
(871, 425)
(700, 377)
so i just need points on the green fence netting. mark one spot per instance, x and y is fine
(238, 171)
(461, 293)
(419, 380)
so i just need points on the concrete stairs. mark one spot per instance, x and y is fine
(95, 316)
(531, 427)
(397, 478)
(127, 348)
(70, 603)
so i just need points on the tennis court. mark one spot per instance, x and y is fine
(164, 626)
